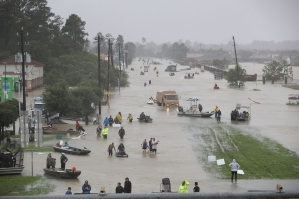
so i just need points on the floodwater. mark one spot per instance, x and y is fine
(176, 157)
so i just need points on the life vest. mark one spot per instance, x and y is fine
(105, 131)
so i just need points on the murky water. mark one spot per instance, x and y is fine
(175, 158)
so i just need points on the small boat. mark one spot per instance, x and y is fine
(121, 155)
(132, 68)
(241, 113)
(67, 173)
(172, 74)
(56, 131)
(148, 119)
(141, 73)
(72, 150)
(189, 76)
(197, 73)
(193, 111)
(150, 102)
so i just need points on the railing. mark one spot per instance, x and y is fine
(223, 195)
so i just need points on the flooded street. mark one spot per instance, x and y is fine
(176, 157)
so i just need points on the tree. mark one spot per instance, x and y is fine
(74, 28)
(232, 76)
(57, 98)
(221, 64)
(286, 69)
(272, 68)
(8, 115)
(143, 40)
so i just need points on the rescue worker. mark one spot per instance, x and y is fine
(121, 132)
(51, 161)
(216, 111)
(184, 187)
(86, 188)
(130, 117)
(119, 118)
(105, 132)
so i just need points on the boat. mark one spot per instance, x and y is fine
(189, 76)
(132, 68)
(196, 73)
(150, 102)
(121, 155)
(71, 150)
(11, 161)
(171, 74)
(148, 119)
(66, 174)
(56, 131)
(141, 73)
(241, 113)
(193, 110)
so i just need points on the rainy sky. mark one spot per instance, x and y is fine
(206, 21)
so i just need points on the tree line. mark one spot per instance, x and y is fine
(63, 49)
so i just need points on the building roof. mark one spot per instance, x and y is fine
(11, 61)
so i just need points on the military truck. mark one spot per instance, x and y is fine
(167, 98)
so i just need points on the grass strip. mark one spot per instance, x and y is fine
(292, 86)
(24, 185)
(259, 157)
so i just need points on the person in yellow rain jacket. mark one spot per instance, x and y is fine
(216, 111)
(184, 187)
(105, 132)
(119, 118)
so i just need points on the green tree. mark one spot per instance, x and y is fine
(272, 68)
(57, 98)
(74, 28)
(233, 77)
(8, 115)
(286, 69)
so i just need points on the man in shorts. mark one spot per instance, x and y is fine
(154, 145)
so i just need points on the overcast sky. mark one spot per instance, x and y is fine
(206, 21)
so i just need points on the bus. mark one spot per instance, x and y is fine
(39, 105)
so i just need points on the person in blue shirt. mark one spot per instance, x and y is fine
(86, 188)
(106, 121)
(69, 191)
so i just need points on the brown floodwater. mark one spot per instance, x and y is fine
(176, 157)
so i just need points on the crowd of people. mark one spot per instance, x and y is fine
(183, 188)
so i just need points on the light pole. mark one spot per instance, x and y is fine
(119, 46)
(98, 38)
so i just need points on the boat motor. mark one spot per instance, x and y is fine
(165, 186)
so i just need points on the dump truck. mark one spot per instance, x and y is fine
(167, 98)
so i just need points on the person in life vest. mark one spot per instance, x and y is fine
(184, 187)
(216, 111)
(105, 132)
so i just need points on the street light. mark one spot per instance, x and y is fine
(99, 38)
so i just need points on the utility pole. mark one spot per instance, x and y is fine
(109, 59)
(23, 69)
(127, 56)
(99, 68)
(4, 83)
(119, 45)
(236, 62)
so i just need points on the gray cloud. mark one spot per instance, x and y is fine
(207, 21)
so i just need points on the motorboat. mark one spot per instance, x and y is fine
(241, 113)
(66, 174)
(150, 102)
(132, 68)
(147, 120)
(193, 110)
(172, 74)
(141, 73)
(189, 76)
(11, 161)
(64, 132)
(71, 150)
(196, 73)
